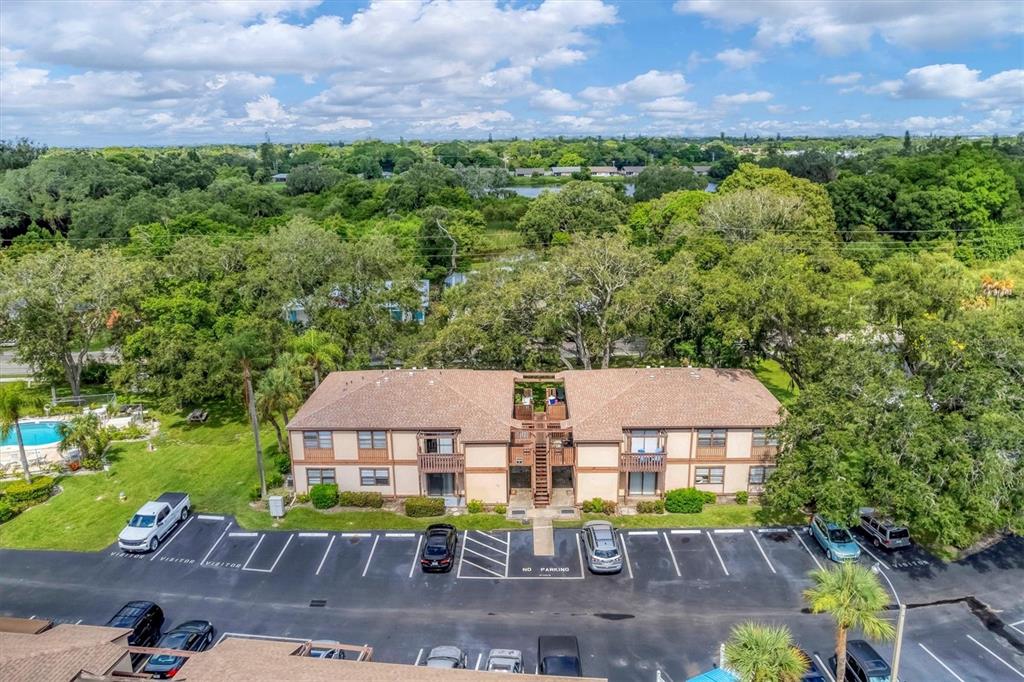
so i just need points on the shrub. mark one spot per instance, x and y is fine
(475, 506)
(274, 479)
(324, 495)
(650, 507)
(500, 509)
(742, 497)
(301, 498)
(424, 506)
(8, 511)
(598, 506)
(21, 492)
(282, 463)
(709, 498)
(254, 492)
(353, 498)
(685, 501)
(92, 463)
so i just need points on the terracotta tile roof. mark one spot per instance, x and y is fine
(61, 653)
(603, 402)
(236, 659)
(479, 402)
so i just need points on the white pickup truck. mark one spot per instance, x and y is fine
(153, 522)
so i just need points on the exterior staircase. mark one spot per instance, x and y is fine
(542, 473)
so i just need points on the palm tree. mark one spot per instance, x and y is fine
(246, 349)
(853, 596)
(318, 351)
(763, 653)
(85, 433)
(14, 400)
(278, 392)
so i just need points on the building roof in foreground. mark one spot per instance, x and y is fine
(60, 653)
(477, 402)
(251, 659)
(602, 402)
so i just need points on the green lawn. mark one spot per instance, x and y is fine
(713, 516)
(777, 381)
(309, 519)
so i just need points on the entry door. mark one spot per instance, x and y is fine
(440, 484)
(519, 478)
(643, 483)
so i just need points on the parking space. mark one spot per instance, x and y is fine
(393, 556)
(788, 552)
(957, 646)
(698, 555)
(509, 556)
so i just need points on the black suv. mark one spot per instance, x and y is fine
(559, 655)
(438, 553)
(193, 635)
(863, 663)
(144, 619)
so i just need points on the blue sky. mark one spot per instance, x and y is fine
(181, 73)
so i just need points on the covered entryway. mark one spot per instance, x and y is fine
(520, 478)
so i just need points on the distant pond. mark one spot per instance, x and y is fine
(534, 192)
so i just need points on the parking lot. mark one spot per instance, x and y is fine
(678, 594)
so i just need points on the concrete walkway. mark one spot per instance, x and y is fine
(543, 537)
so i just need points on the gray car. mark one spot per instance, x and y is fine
(446, 657)
(602, 547)
(504, 661)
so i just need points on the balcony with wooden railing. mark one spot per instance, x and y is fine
(710, 452)
(764, 451)
(318, 454)
(372, 455)
(520, 456)
(636, 461)
(562, 456)
(436, 463)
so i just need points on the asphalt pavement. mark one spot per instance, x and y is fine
(678, 595)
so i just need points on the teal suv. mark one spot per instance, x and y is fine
(834, 539)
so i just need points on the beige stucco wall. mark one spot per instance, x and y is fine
(602, 484)
(677, 476)
(710, 487)
(738, 442)
(346, 445)
(300, 475)
(597, 455)
(677, 444)
(489, 487)
(348, 479)
(736, 477)
(403, 444)
(295, 444)
(486, 455)
(407, 479)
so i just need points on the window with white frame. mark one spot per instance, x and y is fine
(759, 474)
(646, 441)
(373, 440)
(318, 476)
(374, 477)
(642, 483)
(439, 444)
(709, 475)
(317, 440)
(711, 438)
(763, 438)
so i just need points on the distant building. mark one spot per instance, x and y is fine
(711, 187)
(631, 171)
(603, 171)
(279, 177)
(563, 171)
(455, 279)
(530, 172)
(701, 170)
(418, 315)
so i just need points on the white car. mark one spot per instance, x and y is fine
(153, 522)
(504, 661)
(446, 657)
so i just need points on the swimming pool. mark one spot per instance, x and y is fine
(34, 433)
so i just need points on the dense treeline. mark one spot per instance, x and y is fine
(886, 285)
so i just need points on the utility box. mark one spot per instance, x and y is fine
(276, 504)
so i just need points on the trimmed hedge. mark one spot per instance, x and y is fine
(686, 500)
(475, 506)
(500, 509)
(324, 495)
(424, 506)
(358, 498)
(650, 507)
(21, 492)
(8, 511)
(742, 497)
(598, 506)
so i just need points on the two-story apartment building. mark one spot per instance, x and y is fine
(620, 434)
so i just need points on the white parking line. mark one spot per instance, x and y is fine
(673, 555)
(642, 532)
(728, 531)
(215, 545)
(242, 535)
(370, 558)
(508, 541)
(399, 535)
(997, 657)
(685, 531)
(772, 530)
(503, 552)
(756, 542)
(872, 555)
(715, 547)
(176, 534)
(495, 537)
(482, 556)
(939, 661)
(629, 564)
(418, 657)
(313, 535)
(462, 555)
(416, 556)
(821, 665)
(356, 535)
(579, 550)
(486, 570)
(78, 622)
(326, 552)
(478, 657)
(273, 565)
(1014, 626)
(252, 553)
(209, 517)
(797, 534)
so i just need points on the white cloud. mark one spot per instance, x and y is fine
(954, 81)
(925, 124)
(844, 78)
(744, 98)
(736, 58)
(343, 124)
(554, 100)
(646, 86)
(837, 27)
(671, 107)
(481, 120)
(574, 122)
